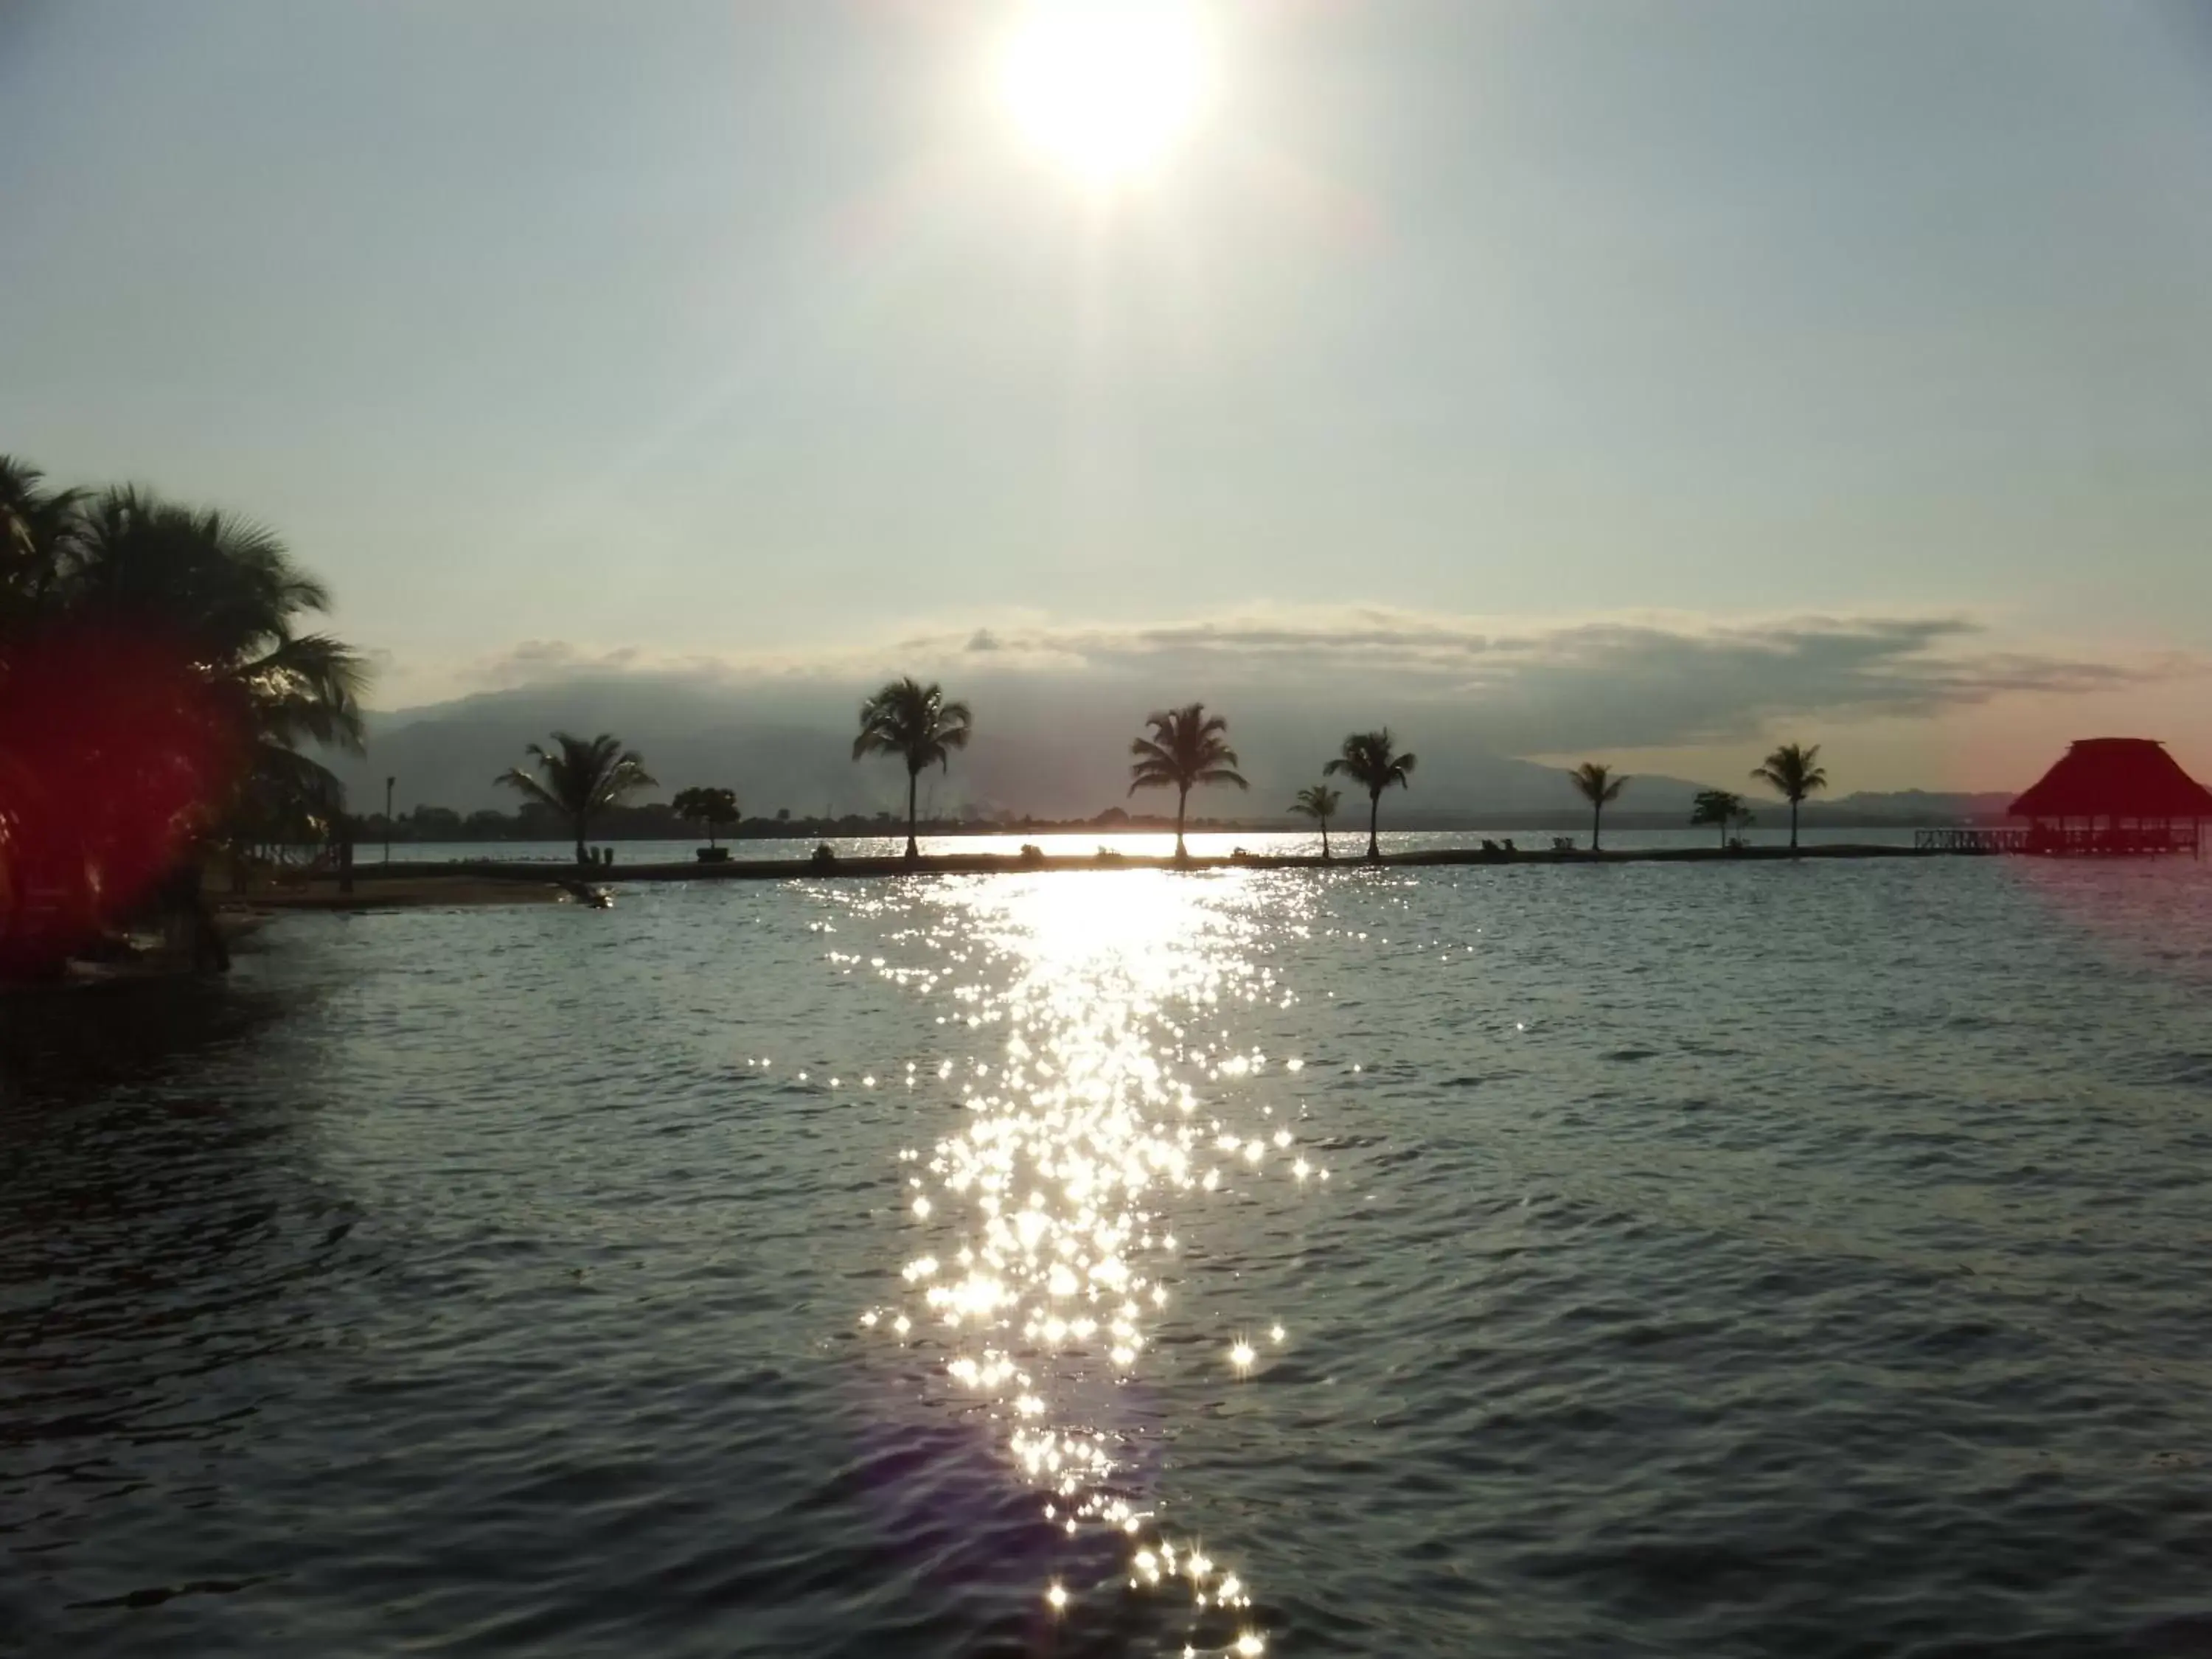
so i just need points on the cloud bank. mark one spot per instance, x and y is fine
(1629, 683)
(1056, 704)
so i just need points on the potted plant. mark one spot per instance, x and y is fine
(712, 807)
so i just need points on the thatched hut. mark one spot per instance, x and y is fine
(2115, 795)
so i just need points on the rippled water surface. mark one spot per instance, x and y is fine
(1705, 1259)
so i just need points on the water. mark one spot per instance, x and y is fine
(1715, 1260)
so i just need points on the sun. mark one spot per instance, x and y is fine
(1108, 86)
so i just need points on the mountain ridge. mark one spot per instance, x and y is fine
(1059, 756)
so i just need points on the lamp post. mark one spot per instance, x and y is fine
(388, 782)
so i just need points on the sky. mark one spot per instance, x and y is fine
(1651, 380)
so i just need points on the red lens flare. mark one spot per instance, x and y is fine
(115, 750)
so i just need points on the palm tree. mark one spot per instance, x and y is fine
(1793, 774)
(1318, 802)
(915, 722)
(1370, 758)
(225, 591)
(20, 501)
(1721, 807)
(578, 777)
(1187, 747)
(1601, 789)
(207, 687)
(707, 806)
(229, 588)
(37, 536)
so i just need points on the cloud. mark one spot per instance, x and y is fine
(1647, 686)
(1636, 683)
(1515, 687)
(533, 662)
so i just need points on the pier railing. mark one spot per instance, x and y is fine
(2043, 838)
(1970, 840)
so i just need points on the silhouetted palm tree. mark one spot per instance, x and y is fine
(1370, 759)
(915, 722)
(227, 586)
(578, 777)
(1601, 789)
(1721, 807)
(20, 499)
(1187, 747)
(230, 592)
(1318, 802)
(707, 806)
(37, 538)
(1793, 774)
(188, 626)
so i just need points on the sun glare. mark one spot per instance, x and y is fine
(1109, 86)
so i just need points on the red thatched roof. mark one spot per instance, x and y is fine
(2116, 778)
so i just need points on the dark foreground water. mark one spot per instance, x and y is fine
(1701, 1260)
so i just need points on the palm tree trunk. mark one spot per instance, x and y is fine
(1324, 841)
(1182, 796)
(1597, 820)
(583, 827)
(1793, 826)
(1374, 816)
(912, 846)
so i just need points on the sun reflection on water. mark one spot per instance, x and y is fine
(1090, 1136)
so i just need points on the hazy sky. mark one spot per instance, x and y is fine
(1515, 359)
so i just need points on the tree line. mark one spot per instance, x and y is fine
(1181, 748)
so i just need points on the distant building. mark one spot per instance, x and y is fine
(2115, 795)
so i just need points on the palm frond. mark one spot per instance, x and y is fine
(1370, 759)
(309, 686)
(1792, 772)
(578, 775)
(1187, 747)
(625, 776)
(1596, 783)
(913, 721)
(20, 481)
(526, 785)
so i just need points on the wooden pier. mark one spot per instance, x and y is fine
(2066, 841)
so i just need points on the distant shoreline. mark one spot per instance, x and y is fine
(613, 830)
(380, 886)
